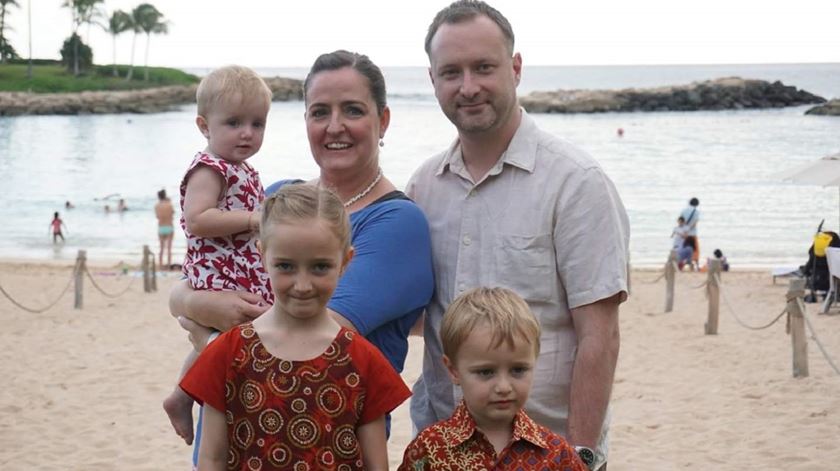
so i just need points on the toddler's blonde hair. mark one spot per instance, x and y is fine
(508, 315)
(229, 83)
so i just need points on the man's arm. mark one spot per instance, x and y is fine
(596, 327)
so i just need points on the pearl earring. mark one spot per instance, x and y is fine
(381, 143)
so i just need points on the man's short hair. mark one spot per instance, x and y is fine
(508, 315)
(465, 10)
(228, 83)
(694, 202)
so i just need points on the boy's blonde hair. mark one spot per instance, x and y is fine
(507, 314)
(232, 82)
(294, 202)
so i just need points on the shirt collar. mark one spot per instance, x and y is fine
(463, 427)
(521, 151)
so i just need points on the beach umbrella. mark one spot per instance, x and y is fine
(823, 172)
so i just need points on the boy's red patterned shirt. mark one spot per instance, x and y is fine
(456, 444)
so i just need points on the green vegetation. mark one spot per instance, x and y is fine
(53, 77)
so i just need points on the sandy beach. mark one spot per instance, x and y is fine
(84, 387)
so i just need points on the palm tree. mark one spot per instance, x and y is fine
(118, 23)
(6, 50)
(84, 12)
(149, 20)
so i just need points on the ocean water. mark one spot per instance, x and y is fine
(727, 159)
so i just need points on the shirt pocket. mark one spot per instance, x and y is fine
(525, 263)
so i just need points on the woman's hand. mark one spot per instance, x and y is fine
(220, 310)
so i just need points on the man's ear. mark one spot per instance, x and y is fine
(517, 67)
(453, 373)
(202, 126)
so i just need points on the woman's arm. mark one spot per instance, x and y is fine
(212, 453)
(220, 310)
(202, 217)
(384, 281)
(373, 444)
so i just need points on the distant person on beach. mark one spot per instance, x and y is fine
(491, 341)
(347, 117)
(68, 205)
(512, 205)
(221, 196)
(692, 216)
(121, 206)
(107, 209)
(294, 389)
(165, 214)
(682, 242)
(55, 227)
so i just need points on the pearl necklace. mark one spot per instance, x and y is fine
(367, 190)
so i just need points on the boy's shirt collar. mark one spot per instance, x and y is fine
(463, 427)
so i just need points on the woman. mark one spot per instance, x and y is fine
(389, 281)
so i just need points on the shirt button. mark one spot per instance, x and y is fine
(471, 194)
(467, 240)
(461, 288)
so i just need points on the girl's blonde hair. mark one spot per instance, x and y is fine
(301, 201)
(229, 83)
(504, 311)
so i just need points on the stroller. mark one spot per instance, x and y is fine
(817, 277)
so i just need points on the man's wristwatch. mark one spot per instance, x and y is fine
(587, 455)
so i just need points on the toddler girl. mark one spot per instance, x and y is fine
(220, 199)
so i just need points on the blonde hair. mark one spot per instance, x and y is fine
(295, 202)
(232, 82)
(507, 314)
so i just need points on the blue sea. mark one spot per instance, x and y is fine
(727, 159)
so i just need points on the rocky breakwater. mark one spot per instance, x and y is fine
(150, 100)
(830, 108)
(720, 94)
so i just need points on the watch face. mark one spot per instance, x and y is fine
(587, 456)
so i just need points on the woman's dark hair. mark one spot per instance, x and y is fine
(55, 215)
(694, 202)
(360, 63)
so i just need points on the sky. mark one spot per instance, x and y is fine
(275, 33)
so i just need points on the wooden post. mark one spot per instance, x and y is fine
(713, 291)
(81, 266)
(154, 273)
(796, 311)
(147, 280)
(670, 274)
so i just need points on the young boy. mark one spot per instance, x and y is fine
(490, 343)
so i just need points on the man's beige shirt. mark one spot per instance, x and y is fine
(546, 222)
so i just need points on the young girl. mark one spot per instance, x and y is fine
(56, 226)
(293, 389)
(220, 199)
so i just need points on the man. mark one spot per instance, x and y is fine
(692, 216)
(510, 205)
(164, 213)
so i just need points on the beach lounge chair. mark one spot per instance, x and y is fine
(832, 256)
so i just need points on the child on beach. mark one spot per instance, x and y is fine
(55, 226)
(293, 389)
(221, 196)
(490, 343)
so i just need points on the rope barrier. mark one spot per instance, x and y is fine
(735, 316)
(819, 344)
(701, 285)
(105, 293)
(662, 275)
(50, 305)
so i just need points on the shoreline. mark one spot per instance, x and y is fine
(144, 101)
